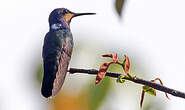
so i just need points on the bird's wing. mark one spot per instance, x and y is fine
(63, 66)
(56, 57)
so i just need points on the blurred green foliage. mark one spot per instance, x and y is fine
(39, 74)
(98, 93)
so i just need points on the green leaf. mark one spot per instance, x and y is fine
(119, 6)
(98, 93)
(121, 79)
(149, 90)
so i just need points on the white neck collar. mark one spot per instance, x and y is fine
(56, 26)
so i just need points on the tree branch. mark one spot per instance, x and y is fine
(135, 79)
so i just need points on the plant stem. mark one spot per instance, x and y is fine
(134, 79)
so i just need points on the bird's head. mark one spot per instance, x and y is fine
(63, 16)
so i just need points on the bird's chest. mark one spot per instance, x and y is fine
(60, 39)
(64, 39)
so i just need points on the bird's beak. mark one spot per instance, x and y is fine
(80, 14)
(69, 16)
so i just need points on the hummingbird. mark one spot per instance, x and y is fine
(57, 50)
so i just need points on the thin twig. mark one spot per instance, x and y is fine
(135, 79)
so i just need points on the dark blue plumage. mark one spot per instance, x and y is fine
(57, 50)
(54, 48)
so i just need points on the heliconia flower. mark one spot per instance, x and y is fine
(126, 64)
(113, 56)
(150, 90)
(102, 72)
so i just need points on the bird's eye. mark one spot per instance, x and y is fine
(66, 11)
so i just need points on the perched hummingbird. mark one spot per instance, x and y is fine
(57, 50)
